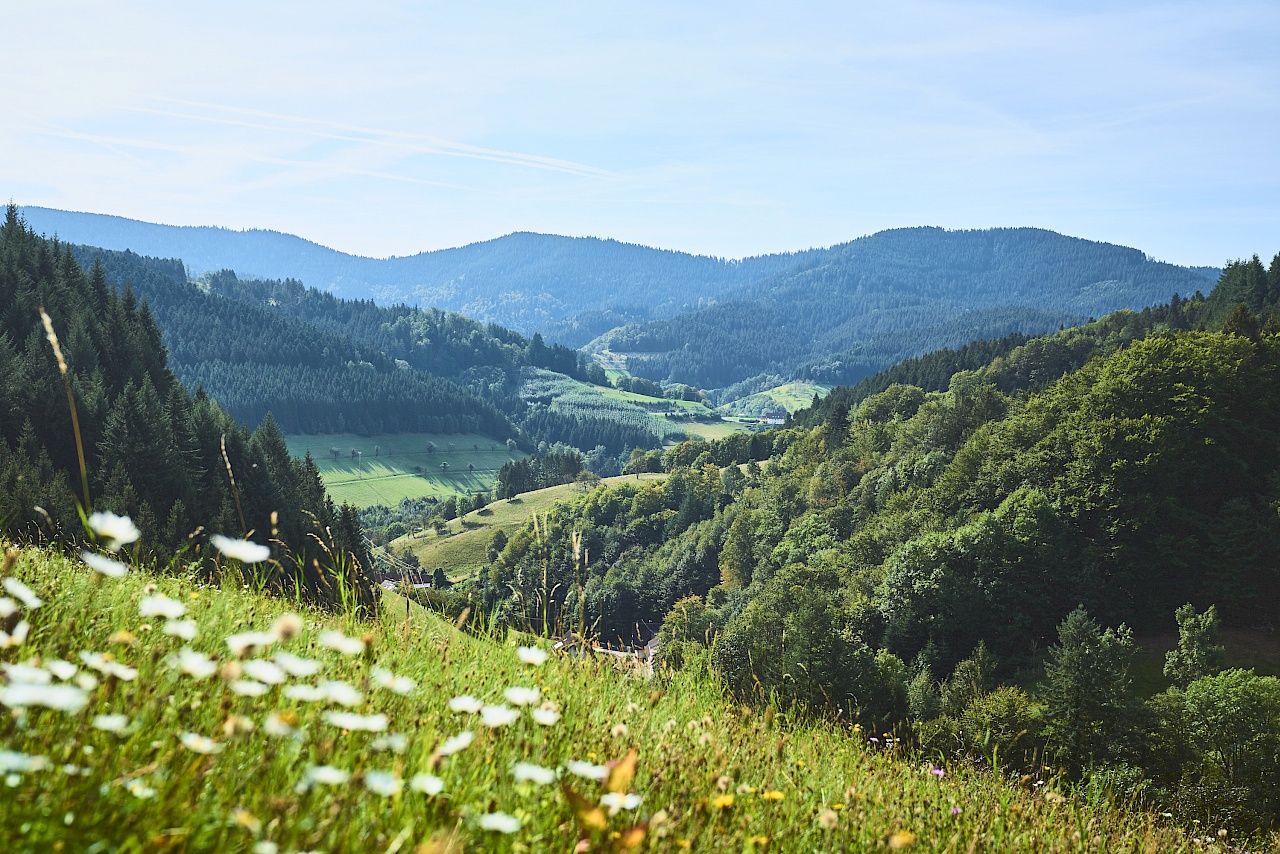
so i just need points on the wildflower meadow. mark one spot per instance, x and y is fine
(149, 712)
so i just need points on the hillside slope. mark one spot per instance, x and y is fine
(875, 301)
(151, 751)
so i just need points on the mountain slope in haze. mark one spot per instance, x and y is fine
(570, 288)
(874, 301)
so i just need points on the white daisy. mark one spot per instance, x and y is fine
(244, 643)
(338, 641)
(64, 698)
(200, 744)
(350, 721)
(248, 688)
(427, 784)
(161, 606)
(466, 704)
(104, 565)
(264, 671)
(586, 770)
(27, 673)
(185, 629)
(195, 664)
(111, 723)
(531, 655)
(22, 593)
(499, 821)
(394, 742)
(114, 531)
(455, 743)
(496, 716)
(64, 670)
(522, 696)
(327, 775)
(528, 772)
(245, 551)
(545, 717)
(383, 783)
(388, 680)
(295, 666)
(618, 801)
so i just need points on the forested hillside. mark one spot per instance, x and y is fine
(870, 303)
(966, 565)
(139, 443)
(320, 364)
(571, 289)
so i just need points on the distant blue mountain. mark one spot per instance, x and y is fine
(529, 282)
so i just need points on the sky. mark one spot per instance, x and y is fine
(726, 129)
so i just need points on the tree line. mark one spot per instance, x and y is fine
(151, 450)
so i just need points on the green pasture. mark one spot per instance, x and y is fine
(463, 550)
(385, 470)
(791, 397)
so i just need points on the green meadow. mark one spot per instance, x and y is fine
(463, 550)
(348, 733)
(395, 466)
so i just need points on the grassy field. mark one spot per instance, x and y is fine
(645, 400)
(463, 550)
(137, 754)
(789, 397)
(390, 476)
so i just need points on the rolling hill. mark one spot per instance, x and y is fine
(571, 289)
(872, 302)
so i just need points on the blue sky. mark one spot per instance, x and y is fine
(723, 128)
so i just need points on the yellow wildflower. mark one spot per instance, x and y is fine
(902, 839)
(722, 802)
(774, 795)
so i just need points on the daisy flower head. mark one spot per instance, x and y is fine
(545, 716)
(465, 704)
(586, 770)
(111, 723)
(453, 744)
(518, 696)
(245, 643)
(383, 783)
(396, 684)
(336, 640)
(199, 744)
(619, 801)
(245, 551)
(295, 666)
(114, 531)
(427, 784)
(351, 721)
(22, 593)
(497, 716)
(104, 565)
(498, 821)
(326, 775)
(184, 629)
(527, 772)
(62, 698)
(531, 655)
(264, 671)
(195, 664)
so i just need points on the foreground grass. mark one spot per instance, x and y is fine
(711, 775)
(391, 475)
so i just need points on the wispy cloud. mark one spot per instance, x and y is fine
(407, 142)
(115, 144)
